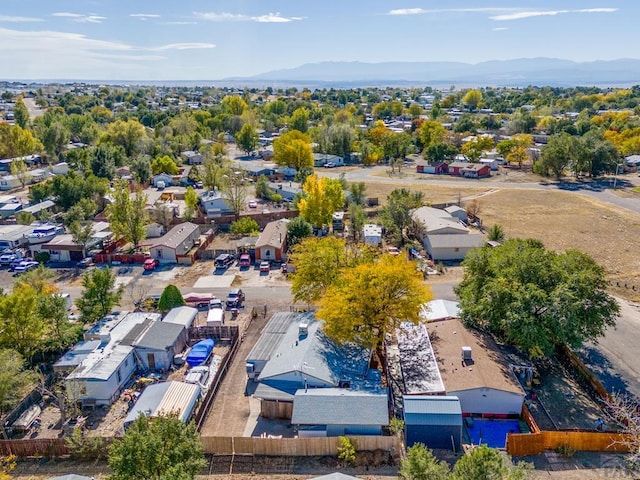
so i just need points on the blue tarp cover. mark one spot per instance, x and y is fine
(200, 352)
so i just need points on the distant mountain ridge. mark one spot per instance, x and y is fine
(518, 72)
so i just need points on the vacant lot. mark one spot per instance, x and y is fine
(561, 220)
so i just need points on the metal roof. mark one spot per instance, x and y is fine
(165, 398)
(273, 333)
(453, 240)
(101, 365)
(339, 406)
(432, 410)
(315, 355)
(160, 336)
(181, 315)
(176, 236)
(440, 310)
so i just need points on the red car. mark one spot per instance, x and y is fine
(150, 264)
(265, 267)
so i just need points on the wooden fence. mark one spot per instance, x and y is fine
(44, 447)
(293, 447)
(519, 444)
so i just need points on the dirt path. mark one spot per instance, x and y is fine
(230, 410)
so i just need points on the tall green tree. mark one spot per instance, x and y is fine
(15, 381)
(484, 463)
(128, 216)
(163, 448)
(170, 298)
(558, 155)
(164, 164)
(534, 298)
(99, 294)
(21, 113)
(247, 138)
(299, 120)
(191, 201)
(396, 214)
(81, 233)
(297, 230)
(421, 464)
(357, 192)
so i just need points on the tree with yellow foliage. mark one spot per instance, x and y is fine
(322, 198)
(319, 262)
(293, 149)
(472, 99)
(372, 299)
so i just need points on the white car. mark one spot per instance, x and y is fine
(253, 204)
(24, 267)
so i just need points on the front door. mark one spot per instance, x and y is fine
(151, 360)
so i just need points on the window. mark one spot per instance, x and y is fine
(118, 376)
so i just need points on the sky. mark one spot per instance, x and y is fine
(216, 39)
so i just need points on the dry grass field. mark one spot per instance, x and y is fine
(561, 220)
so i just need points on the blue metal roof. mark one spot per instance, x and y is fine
(432, 410)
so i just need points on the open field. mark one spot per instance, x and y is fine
(561, 220)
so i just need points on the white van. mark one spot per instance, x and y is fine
(215, 317)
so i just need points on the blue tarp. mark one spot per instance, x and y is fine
(200, 352)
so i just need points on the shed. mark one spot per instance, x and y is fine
(158, 344)
(457, 212)
(184, 316)
(440, 309)
(334, 412)
(372, 234)
(435, 421)
(178, 398)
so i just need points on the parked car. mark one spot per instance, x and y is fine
(265, 267)
(329, 165)
(24, 267)
(235, 298)
(150, 264)
(19, 261)
(85, 263)
(393, 251)
(253, 204)
(245, 260)
(10, 256)
(199, 185)
(224, 260)
(215, 303)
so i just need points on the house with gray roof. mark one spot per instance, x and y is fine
(444, 235)
(272, 241)
(293, 353)
(157, 345)
(175, 243)
(332, 412)
(433, 420)
(214, 203)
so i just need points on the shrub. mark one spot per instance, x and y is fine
(346, 451)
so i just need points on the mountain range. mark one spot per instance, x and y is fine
(518, 72)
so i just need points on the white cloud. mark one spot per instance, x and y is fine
(500, 29)
(144, 16)
(422, 11)
(179, 23)
(79, 17)
(238, 17)
(6, 18)
(548, 13)
(183, 46)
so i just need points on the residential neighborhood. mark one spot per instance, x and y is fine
(411, 268)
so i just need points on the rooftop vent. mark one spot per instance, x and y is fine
(303, 329)
(467, 356)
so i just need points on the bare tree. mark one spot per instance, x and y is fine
(137, 292)
(473, 209)
(235, 191)
(163, 214)
(63, 394)
(625, 411)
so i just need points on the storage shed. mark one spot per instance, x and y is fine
(184, 316)
(166, 398)
(435, 421)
